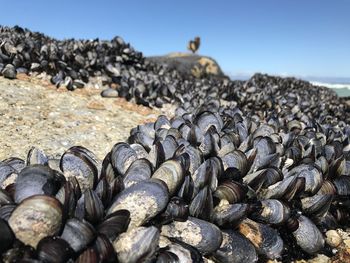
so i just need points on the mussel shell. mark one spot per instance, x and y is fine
(313, 177)
(183, 251)
(78, 234)
(104, 249)
(107, 170)
(35, 180)
(169, 145)
(202, 204)
(20, 254)
(316, 205)
(68, 198)
(264, 238)
(139, 170)
(287, 188)
(272, 211)
(37, 156)
(342, 185)
(75, 162)
(176, 209)
(114, 224)
(186, 189)
(308, 236)
(122, 156)
(204, 236)
(6, 211)
(103, 191)
(231, 191)
(5, 198)
(235, 249)
(6, 236)
(17, 163)
(171, 173)
(195, 158)
(89, 255)
(140, 151)
(5, 171)
(35, 218)
(166, 256)
(54, 249)
(206, 119)
(162, 122)
(236, 159)
(90, 207)
(143, 200)
(137, 244)
(229, 215)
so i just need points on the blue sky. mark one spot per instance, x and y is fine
(294, 37)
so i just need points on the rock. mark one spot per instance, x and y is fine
(333, 238)
(9, 72)
(109, 93)
(25, 125)
(190, 64)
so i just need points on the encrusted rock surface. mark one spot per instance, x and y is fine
(188, 64)
(35, 113)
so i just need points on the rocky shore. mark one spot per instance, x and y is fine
(108, 156)
(35, 113)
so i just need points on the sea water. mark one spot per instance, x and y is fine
(342, 89)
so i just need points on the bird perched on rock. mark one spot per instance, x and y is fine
(193, 45)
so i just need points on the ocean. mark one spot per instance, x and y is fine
(342, 89)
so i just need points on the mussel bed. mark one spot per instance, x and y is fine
(243, 171)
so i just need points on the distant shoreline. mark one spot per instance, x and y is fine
(342, 89)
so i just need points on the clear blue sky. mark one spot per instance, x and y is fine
(295, 37)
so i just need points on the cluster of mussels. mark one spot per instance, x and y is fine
(203, 186)
(71, 63)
